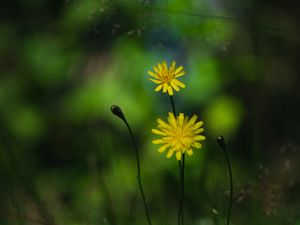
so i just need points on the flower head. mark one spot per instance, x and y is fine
(166, 77)
(179, 135)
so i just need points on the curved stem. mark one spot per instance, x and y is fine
(222, 144)
(139, 173)
(118, 112)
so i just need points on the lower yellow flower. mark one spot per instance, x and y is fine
(179, 135)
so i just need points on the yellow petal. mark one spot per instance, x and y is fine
(170, 114)
(170, 90)
(196, 145)
(179, 74)
(199, 138)
(167, 139)
(198, 131)
(172, 120)
(152, 74)
(192, 120)
(178, 155)
(166, 130)
(165, 88)
(177, 146)
(178, 69)
(155, 131)
(170, 153)
(158, 87)
(155, 81)
(175, 86)
(155, 69)
(172, 67)
(197, 125)
(180, 119)
(178, 83)
(190, 152)
(158, 141)
(186, 119)
(163, 148)
(162, 123)
(159, 67)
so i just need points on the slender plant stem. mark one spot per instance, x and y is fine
(182, 189)
(179, 207)
(173, 105)
(222, 144)
(118, 112)
(180, 217)
(139, 173)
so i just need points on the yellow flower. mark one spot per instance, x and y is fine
(179, 135)
(166, 77)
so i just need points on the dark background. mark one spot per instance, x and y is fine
(65, 159)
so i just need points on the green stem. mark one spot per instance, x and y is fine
(179, 206)
(222, 144)
(173, 105)
(139, 173)
(117, 111)
(182, 189)
(180, 217)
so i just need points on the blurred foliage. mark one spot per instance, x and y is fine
(223, 116)
(65, 159)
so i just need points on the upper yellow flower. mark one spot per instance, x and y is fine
(179, 135)
(166, 77)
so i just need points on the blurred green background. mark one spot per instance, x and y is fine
(65, 159)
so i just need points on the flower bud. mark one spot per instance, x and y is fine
(221, 141)
(117, 111)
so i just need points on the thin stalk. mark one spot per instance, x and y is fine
(117, 111)
(179, 206)
(182, 189)
(173, 105)
(222, 144)
(139, 173)
(180, 218)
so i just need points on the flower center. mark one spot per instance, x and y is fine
(166, 78)
(179, 138)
